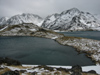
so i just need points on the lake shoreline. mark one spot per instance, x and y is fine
(92, 47)
(81, 52)
(59, 50)
(76, 49)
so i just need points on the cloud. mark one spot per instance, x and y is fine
(46, 7)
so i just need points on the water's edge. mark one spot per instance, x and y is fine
(64, 46)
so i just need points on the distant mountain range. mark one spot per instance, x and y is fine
(23, 18)
(69, 20)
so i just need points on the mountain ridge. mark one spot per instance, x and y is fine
(68, 20)
(23, 18)
(71, 20)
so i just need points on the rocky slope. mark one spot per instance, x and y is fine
(23, 18)
(28, 29)
(71, 20)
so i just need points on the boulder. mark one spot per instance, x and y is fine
(9, 61)
(22, 71)
(1, 60)
(76, 70)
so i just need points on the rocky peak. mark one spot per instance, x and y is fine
(71, 11)
(30, 14)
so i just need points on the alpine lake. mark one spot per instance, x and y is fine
(42, 51)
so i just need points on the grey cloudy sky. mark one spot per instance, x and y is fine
(46, 7)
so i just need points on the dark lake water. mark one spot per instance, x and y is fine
(86, 34)
(40, 51)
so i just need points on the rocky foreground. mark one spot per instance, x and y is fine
(89, 46)
(13, 67)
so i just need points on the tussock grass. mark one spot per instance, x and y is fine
(48, 31)
(70, 37)
(22, 67)
(2, 71)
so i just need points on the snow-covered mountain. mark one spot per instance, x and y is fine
(71, 20)
(3, 20)
(23, 18)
